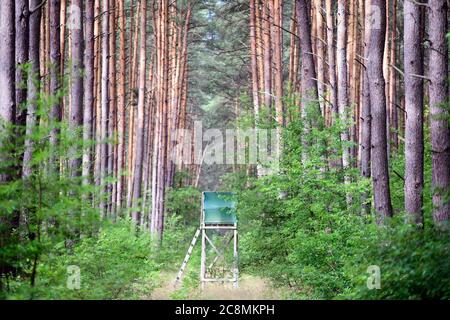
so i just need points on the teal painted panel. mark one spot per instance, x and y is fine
(219, 207)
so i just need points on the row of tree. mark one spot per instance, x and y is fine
(347, 57)
(126, 66)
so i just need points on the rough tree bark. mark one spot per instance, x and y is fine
(97, 94)
(277, 57)
(76, 79)
(88, 102)
(308, 73)
(254, 68)
(342, 84)
(7, 71)
(380, 173)
(414, 145)
(104, 102)
(32, 83)
(366, 115)
(320, 45)
(55, 69)
(278, 71)
(293, 54)
(331, 58)
(161, 136)
(121, 92)
(132, 96)
(63, 34)
(21, 56)
(259, 50)
(267, 55)
(137, 183)
(112, 114)
(439, 113)
(393, 77)
(254, 63)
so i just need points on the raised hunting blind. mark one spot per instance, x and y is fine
(218, 229)
(219, 208)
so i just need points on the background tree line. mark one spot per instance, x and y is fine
(370, 63)
(126, 62)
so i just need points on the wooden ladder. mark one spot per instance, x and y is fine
(188, 255)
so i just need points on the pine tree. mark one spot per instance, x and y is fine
(380, 173)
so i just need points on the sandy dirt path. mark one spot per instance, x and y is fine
(250, 288)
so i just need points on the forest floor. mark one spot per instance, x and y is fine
(250, 288)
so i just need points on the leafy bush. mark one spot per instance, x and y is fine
(181, 221)
(113, 265)
(49, 220)
(184, 202)
(414, 264)
(46, 206)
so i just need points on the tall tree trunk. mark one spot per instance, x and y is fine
(414, 145)
(343, 101)
(121, 92)
(366, 115)
(386, 75)
(63, 34)
(104, 102)
(97, 93)
(148, 151)
(76, 79)
(22, 47)
(7, 72)
(278, 71)
(7, 118)
(89, 104)
(173, 34)
(308, 81)
(439, 113)
(393, 77)
(112, 115)
(157, 136)
(259, 50)
(160, 172)
(354, 80)
(137, 183)
(254, 63)
(254, 67)
(55, 72)
(380, 172)
(277, 56)
(332, 77)
(320, 55)
(267, 55)
(308, 86)
(331, 58)
(293, 51)
(133, 97)
(32, 84)
(164, 138)
(44, 47)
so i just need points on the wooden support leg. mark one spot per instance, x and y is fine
(235, 255)
(203, 259)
